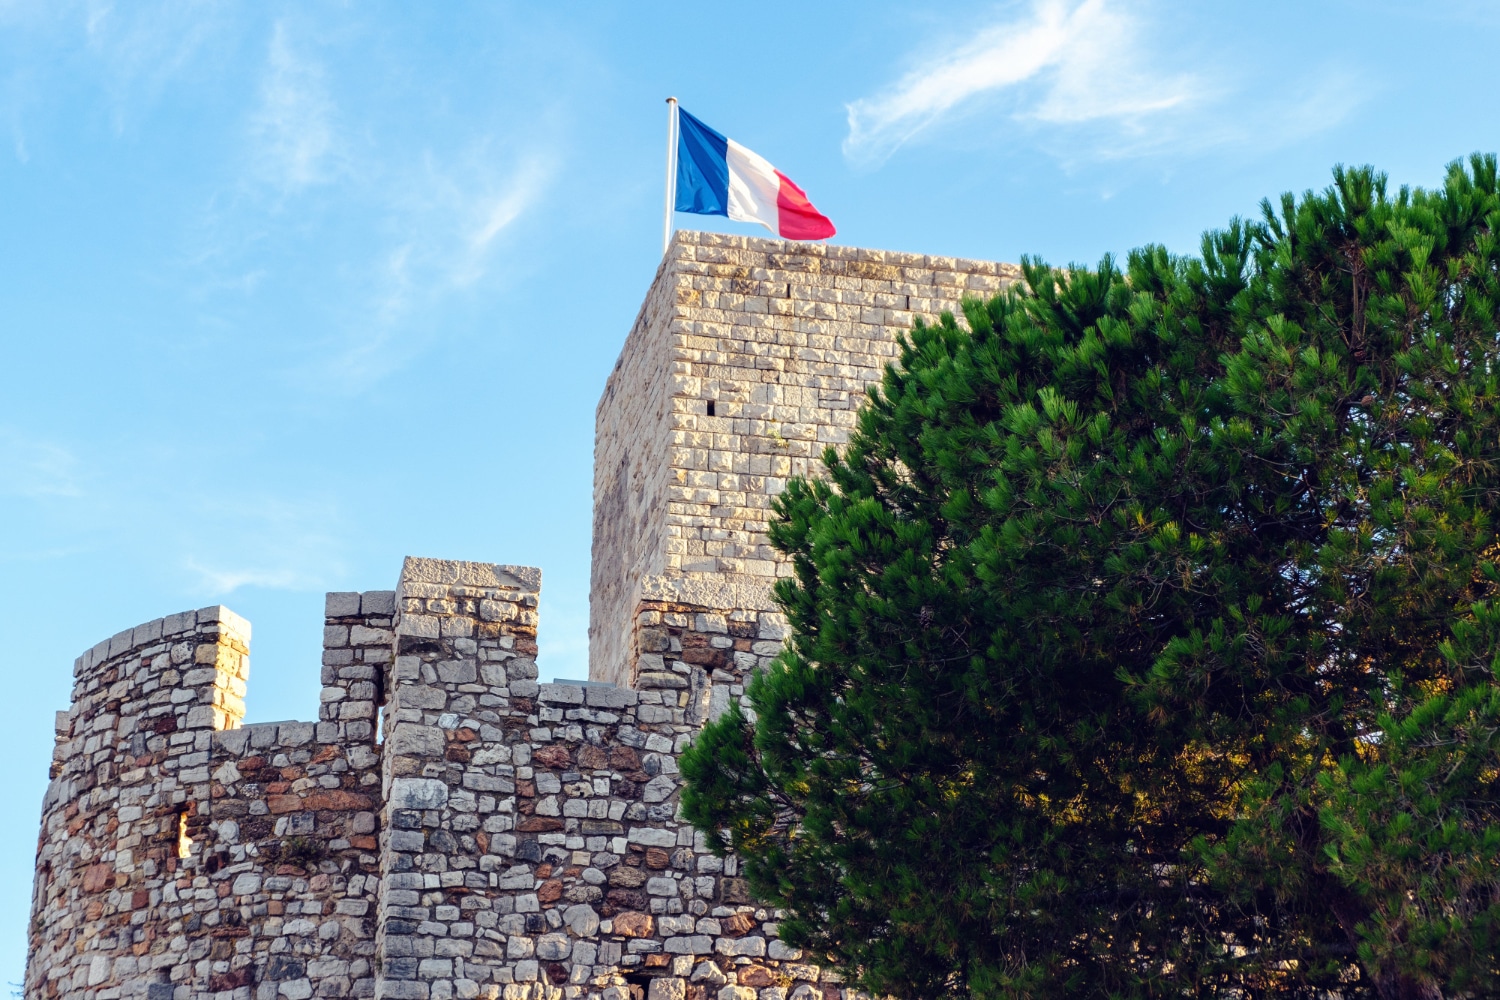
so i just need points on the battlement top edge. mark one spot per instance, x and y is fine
(230, 621)
(157, 630)
(840, 251)
(453, 572)
(710, 591)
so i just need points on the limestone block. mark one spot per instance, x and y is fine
(457, 672)
(418, 793)
(421, 696)
(526, 579)
(581, 920)
(341, 605)
(667, 988)
(246, 884)
(561, 694)
(417, 741)
(553, 947)
(755, 947)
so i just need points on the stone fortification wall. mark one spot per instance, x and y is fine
(532, 843)
(505, 838)
(781, 339)
(630, 473)
(184, 856)
(130, 790)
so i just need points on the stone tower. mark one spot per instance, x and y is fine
(748, 358)
(450, 827)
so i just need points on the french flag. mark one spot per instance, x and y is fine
(718, 176)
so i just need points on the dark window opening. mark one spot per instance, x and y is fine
(710, 407)
(39, 893)
(637, 984)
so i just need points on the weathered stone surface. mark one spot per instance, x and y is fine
(418, 741)
(748, 358)
(755, 975)
(337, 801)
(97, 877)
(553, 946)
(581, 920)
(667, 988)
(418, 793)
(633, 925)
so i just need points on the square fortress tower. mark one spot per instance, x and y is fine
(748, 358)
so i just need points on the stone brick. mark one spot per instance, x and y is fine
(667, 988)
(633, 925)
(418, 793)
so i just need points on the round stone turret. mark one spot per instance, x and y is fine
(128, 798)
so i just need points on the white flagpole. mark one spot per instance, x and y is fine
(666, 222)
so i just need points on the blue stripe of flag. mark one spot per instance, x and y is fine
(702, 168)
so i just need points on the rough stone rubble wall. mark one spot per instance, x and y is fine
(184, 856)
(465, 648)
(532, 843)
(130, 783)
(292, 856)
(507, 839)
(782, 339)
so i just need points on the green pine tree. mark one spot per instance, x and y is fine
(1146, 634)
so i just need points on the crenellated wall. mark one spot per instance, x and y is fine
(128, 803)
(532, 846)
(492, 837)
(182, 855)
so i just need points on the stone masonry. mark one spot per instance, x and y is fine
(748, 358)
(449, 826)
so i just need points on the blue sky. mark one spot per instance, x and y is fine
(288, 291)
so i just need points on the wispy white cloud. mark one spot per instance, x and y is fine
(1078, 62)
(226, 580)
(1081, 79)
(143, 46)
(271, 540)
(451, 212)
(34, 467)
(490, 209)
(15, 91)
(133, 52)
(1294, 110)
(440, 210)
(65, 498)
(448, 222)
(437, 195)
(498, 211)
(292, 128)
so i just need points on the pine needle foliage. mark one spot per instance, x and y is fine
(1145, 637)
